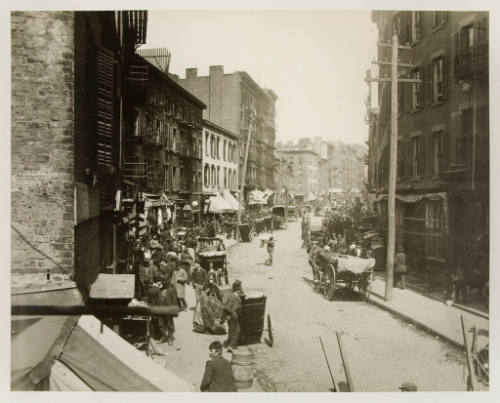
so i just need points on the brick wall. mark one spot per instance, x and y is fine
(42, 139)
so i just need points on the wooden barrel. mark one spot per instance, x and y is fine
(243, 368)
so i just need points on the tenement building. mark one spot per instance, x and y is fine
(163, 141)
(237, 103)
(68, 70)
(442, 209)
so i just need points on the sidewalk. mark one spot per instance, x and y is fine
(429, 314)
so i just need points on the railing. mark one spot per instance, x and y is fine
(135, 169)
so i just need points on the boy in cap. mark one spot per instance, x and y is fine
(218, 376)
(270, 249)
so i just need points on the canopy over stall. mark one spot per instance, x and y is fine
(59, 353)
(218, 205)
(230, 199)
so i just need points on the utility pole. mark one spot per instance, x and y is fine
(391, 202)
(243, 174)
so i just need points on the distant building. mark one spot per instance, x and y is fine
(304, 170)
(442, 210)
(237, 103)
(220, 158)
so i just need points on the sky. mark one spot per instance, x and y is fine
(315, 61)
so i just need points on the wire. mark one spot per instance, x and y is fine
(36, 249)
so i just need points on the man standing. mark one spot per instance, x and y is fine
(400, 269)
(231, 310)
(168, 297)
(218, 376)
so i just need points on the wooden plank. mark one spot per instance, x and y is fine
(113, 286)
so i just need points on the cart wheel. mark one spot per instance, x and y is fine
(331, 286)
(270, 341)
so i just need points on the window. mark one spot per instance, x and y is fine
(224, 152)
(417, 25)
(437, 79)
(435, 226)
(438, 18)
(218, 176)
(417, 156)
(207, 145)
(465, 136)
(225, 177)
(466, 38)
(174, 178)
(417, 94)
(402, 26)
(217, 148)
(207, 175)
(174, 139)
(214, 183)
(400, 165)
(437, 138)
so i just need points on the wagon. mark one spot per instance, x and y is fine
(209, 255)
(279, 217)
(329, 270)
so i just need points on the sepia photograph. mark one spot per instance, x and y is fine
(249, 200)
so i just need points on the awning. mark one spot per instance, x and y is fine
(258, 197)
(79, 353)
(154, 200)
(230, 199)
(218, 205)
(414, 198)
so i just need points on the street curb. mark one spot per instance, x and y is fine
(374, 300)
(458, 306)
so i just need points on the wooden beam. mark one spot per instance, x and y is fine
(388, 45)
(390, 64)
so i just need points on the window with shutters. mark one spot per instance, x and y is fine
(417, 156)
(417, 90)
(435, 229)
(438, 83)
(417, 25)
(437, 151)
(402, 26)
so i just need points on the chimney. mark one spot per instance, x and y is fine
(192, 72)
(216, 70)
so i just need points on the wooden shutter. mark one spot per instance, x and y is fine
(446, 75)
(105, 128)
(429, 83)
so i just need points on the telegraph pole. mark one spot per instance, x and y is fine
(243, 174)
(391, 202)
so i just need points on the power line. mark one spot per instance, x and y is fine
(36, 249)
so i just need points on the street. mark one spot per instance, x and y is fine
(382, 351)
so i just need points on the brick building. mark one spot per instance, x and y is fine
(442, 209)
(237, 103)
(220, 159)
(163, 140)
(67, 72)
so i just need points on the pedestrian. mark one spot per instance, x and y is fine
(180, 279)
(168, 297)
(220, 245)
(199, 279)
(218, 376)
(231, 311)
(270, 250)
(400, 269)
